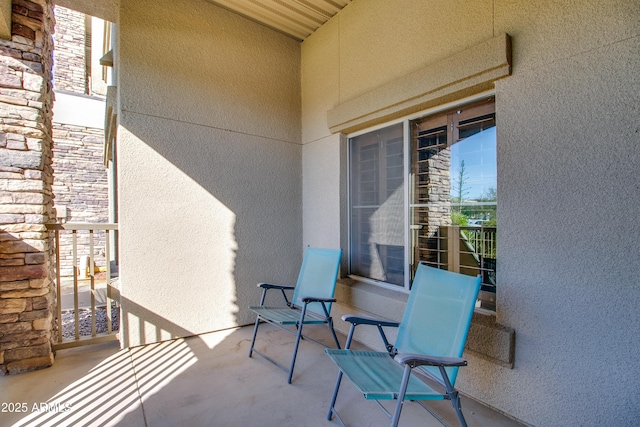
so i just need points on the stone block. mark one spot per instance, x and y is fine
(29, 316)
(21, 112)
(40, 283)
(11, 262)
(20, 159)
(36, 219)
(43, 324)
(19, 228)
(28, 8)
(11, 274)
(16, 145)
(25, 293)
(33, 82)
(22, 31)
(17, 341)
(33, 235)
(27, 365)
(14, 246)
(15, 328)
(10, 52)
(29, 198)
(23, 353)
(11, 218)
(33, 24)
(40, 303)
(9, 318)
(12, 286)
(25, 339)
(9, 79)
(8, 306)
(21, 209)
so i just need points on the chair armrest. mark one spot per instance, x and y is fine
(270, 286)
(414, 360)
(359, 320)
(314, 299)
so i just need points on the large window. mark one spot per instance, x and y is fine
(424, 191)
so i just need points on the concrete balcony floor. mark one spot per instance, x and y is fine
(206, 380)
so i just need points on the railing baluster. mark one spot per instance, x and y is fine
(74, 254)
(58, 286)
(93, 285)
(108, 260)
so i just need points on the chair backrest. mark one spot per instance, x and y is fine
(317, 277)
(437, 316)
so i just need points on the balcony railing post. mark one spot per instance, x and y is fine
(453, 248)
(58, 286)
(94, 337)
(93, 285)
(74, 254)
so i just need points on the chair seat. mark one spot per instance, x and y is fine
(285, 316)
(377, 376)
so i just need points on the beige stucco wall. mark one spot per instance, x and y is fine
(209, 171)
(568, 194)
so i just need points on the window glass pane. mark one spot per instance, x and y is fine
(377, 205)
(453, 193)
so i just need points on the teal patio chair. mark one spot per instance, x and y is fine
(310, 303)
(431, 338)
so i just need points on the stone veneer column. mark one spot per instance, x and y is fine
(27, 295)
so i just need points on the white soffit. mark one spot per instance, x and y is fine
(295, 18)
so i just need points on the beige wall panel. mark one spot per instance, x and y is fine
(195, 62)
(381, 40)
(567, 148)
(544, 31)
(209, 167)
(321, 165)
(321, 79)
(567, 145)
(201, 224)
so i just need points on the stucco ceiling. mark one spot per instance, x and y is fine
(295, 18)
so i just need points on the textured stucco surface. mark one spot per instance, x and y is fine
(209, 166)
(568, 138)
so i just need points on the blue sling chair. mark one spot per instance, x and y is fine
(430, 341)
(310, 303)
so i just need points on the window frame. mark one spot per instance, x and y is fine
(406, 121)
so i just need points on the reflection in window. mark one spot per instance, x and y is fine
(450, 197)
(377, 205)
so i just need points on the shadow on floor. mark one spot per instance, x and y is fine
(206, 380)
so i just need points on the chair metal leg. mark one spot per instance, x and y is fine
(455, 401)
(335, 396)
(454, 396)
(255, 332)
(298, 336)
(333, 332)
(401, 393)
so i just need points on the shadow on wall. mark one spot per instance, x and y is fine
(209, 163)
(206, 214)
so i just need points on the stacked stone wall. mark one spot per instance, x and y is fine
(27, 297)
(70, 55)
(80, 188)
(80, 184)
